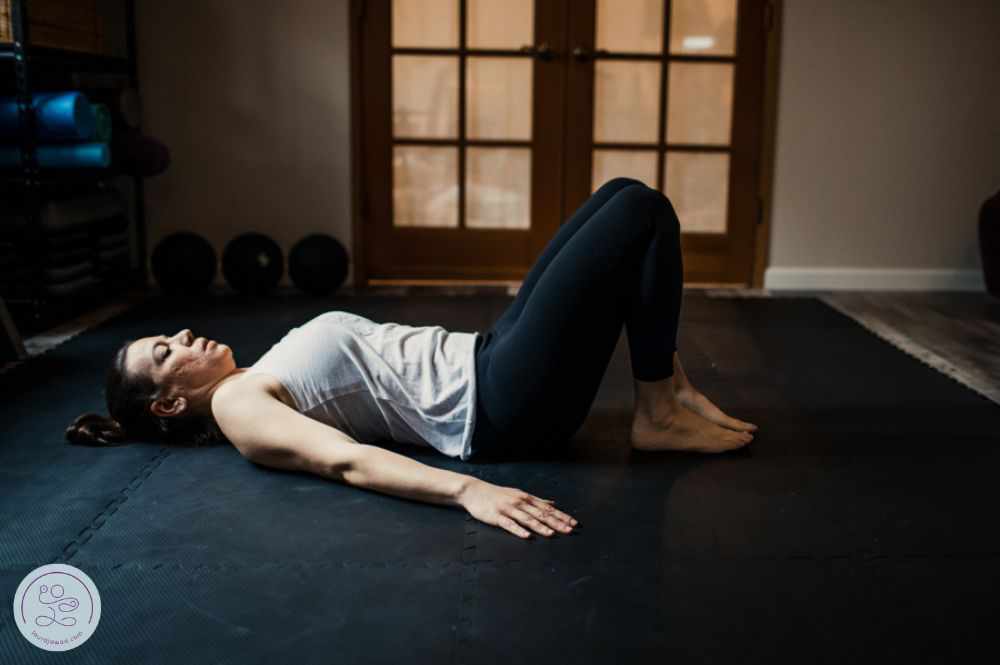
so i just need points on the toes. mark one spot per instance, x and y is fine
(745, 438)
(737, 441)
(738, 437)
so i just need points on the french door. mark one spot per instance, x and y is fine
(483, 124)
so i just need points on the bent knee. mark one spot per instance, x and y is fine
(619, 183)
(655, 200)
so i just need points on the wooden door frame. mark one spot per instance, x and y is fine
(773, 12)
(358, 215)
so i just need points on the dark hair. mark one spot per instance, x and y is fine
(128, 399)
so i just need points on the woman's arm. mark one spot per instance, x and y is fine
(386, 471)
(507, 507)
(266, 431)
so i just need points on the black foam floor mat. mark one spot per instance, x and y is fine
(857, 527)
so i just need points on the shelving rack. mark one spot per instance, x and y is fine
(36, 69)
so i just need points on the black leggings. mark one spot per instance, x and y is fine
(616, 261)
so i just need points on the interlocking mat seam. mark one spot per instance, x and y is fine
(85, 534)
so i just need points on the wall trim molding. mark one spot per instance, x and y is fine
(874, 279)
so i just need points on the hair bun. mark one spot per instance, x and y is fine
(95, 429)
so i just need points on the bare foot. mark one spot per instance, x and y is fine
(697, 402)
(686, 431)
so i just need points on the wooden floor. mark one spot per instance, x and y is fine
(956, 332)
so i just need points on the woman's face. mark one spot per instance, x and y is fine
(182, 365)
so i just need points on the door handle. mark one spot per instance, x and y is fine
(583, 54)
(543, 51)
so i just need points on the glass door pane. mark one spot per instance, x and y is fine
(626, 101)
(638, 164)
(501, 23)
(698, 187)
(424, 96)
(634, 26)
(700, 103)
(498, 186)
(703, 27)
(499, 94)
(424, 186)
(425, 23)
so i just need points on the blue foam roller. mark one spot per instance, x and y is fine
(70, 156)
(60, 116)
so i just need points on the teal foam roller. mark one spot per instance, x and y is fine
(59, 116)
(69, 156)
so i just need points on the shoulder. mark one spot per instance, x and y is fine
(247, 408)
(252, 386)
(267, 431)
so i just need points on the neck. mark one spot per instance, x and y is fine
(204, 406)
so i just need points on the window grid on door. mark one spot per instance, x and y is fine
(461, 141)
(709, 159)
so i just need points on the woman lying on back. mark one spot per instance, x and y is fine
(320, 399)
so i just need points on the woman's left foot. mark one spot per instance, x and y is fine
(697, 402)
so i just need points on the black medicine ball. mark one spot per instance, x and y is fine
(317, 264)
(184, 263)
(252, 263)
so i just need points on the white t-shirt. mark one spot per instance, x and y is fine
(380, 380)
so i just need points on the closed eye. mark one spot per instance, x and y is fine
(163, 355)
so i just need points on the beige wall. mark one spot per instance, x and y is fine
(253, 99)
(887, 138)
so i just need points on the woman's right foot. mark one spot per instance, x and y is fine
(704, 407)
(686, 431)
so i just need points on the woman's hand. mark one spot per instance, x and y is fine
(510, 508)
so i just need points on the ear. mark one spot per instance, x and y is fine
(166, 407)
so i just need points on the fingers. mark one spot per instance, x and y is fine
(529, 521)
(548, 514)
(540, 516)
(523, 511)
(554, 511)
(512, 526)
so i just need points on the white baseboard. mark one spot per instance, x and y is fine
(873, 279)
